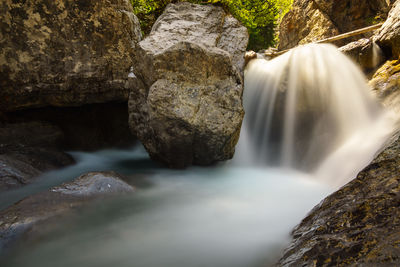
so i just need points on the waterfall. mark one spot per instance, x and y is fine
(311, 109)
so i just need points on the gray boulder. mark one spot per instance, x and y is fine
(189, 108)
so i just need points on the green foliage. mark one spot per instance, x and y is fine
(259, 16)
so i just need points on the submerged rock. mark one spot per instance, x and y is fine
(31, 216)
(65, 53)
(95, 184)
(357, 225)
(28, 149)
(189, 109)
(310, 20)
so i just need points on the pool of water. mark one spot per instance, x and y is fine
(224, 215)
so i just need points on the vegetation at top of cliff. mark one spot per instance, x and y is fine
(260, 17)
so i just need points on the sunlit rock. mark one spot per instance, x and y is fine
(389, 34)
(386, 85)
(310, 21)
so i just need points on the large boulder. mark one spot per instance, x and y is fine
(65, 53)
(358, 225)
(189, 108)
(313, 20)
(388, 36)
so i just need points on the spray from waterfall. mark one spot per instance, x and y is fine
(311, 110)
(377, 54)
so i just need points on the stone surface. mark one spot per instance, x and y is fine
(201, 24)
(189, 108)
(388, 36)
(27, 150)
(95, 183)
(365, 53)
(304, 23)
(65, 53)
(359, 225)
(34, 214)
(386, 85)
(312, 20)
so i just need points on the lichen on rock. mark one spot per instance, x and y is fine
(65, 53)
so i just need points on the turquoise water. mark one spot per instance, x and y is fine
(217, 216)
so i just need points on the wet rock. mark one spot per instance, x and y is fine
(359, 225)
(94, 184)
(31, 216)
(65, 53)
(15, 173)
(388, 36)
(364, 53)
(27, 150)
(386, 85)
(313, 20)
(250, 55)
(189, 108)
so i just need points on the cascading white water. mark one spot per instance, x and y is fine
(311, 109)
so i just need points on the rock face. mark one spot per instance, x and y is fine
(27, 150)
(365, 53)
(312, 20)
(358, 225)
(389, 34)
(65, 53)
(386, 84)
(189, 109)
(34, 214)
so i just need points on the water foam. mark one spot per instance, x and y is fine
(311, 109)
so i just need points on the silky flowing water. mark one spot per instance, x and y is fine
(310, 126)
